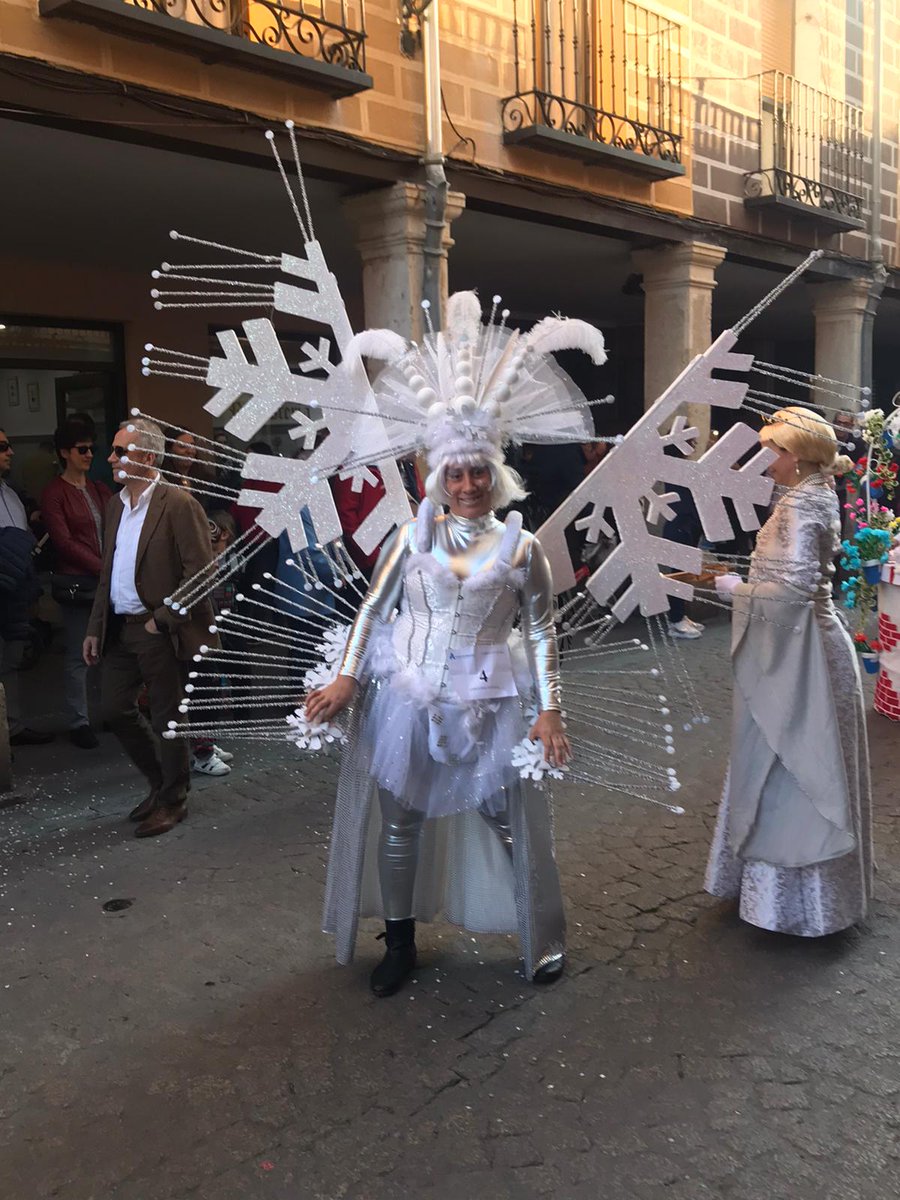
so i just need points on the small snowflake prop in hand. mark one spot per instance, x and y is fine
(528, 756)
(312, 736)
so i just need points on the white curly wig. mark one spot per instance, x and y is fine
(506, 484)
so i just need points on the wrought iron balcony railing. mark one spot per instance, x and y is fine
(811, 154)
(321, 42)
(598, 79)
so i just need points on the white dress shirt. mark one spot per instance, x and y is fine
(12, 510)
(123, 597)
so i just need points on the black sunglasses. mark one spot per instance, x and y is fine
(85, 449)
(4, 446)
(120, 451)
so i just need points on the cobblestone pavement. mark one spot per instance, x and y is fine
(202, 1045)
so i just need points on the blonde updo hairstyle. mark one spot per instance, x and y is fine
(808, 435)
(506, 484)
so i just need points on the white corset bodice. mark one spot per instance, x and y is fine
(456, 584)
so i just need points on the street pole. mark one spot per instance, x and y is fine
(435, 179)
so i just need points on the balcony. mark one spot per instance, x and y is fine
(321, 43)
(811, 155)
(599, 80)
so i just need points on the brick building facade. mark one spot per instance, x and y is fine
(646, 166)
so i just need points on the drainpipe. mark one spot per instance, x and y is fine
(877, 83)
(435, 179)
(876, 249)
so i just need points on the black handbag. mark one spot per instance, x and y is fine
(73, 591)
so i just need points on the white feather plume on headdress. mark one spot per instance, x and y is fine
(565, 333)
(474, 388)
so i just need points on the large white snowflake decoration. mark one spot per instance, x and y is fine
(253, 378)
(622, 485)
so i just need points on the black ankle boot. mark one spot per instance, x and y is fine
(551, 970)
(399, 960)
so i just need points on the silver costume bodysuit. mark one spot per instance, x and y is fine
(435, 747)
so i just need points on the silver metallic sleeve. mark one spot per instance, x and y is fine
(380, 601)
(539, 629)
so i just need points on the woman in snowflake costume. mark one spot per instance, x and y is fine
(433, 815)
(793, 837)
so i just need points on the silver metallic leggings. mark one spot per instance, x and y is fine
(398, 852)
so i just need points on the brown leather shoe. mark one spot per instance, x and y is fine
(145, 808)
(161, 820)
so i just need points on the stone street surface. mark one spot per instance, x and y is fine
(201, 1043)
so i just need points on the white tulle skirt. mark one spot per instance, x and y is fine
(441, 758)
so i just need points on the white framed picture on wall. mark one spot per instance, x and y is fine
(33, 391)
(12, 392)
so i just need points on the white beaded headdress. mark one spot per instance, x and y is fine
(474, 388)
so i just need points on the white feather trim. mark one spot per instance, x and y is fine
(412, 685)
(564, 333)
(382, 344)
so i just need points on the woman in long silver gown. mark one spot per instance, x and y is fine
(793, 836)
(431, 815)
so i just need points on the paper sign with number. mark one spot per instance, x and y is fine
(484, 673)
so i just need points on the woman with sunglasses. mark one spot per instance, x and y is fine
(72, 508)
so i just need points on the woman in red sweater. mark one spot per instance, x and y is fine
(73, 509)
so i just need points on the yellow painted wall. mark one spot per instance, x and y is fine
(477, 60)
(724, 50)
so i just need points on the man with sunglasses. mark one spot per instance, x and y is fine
(17, 591)
(156, 539)
(72, 508)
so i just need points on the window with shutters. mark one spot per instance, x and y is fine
(777, 26)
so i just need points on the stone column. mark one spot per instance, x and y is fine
(843, 309)
(5, 756)
(389, 226)
(678, 287)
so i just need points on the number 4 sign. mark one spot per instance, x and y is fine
(484, 673)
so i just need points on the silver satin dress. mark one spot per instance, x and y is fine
(793, 840)
(420, 756)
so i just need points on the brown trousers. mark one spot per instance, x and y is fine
(133, 656)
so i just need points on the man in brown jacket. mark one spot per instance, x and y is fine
(157, 538)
